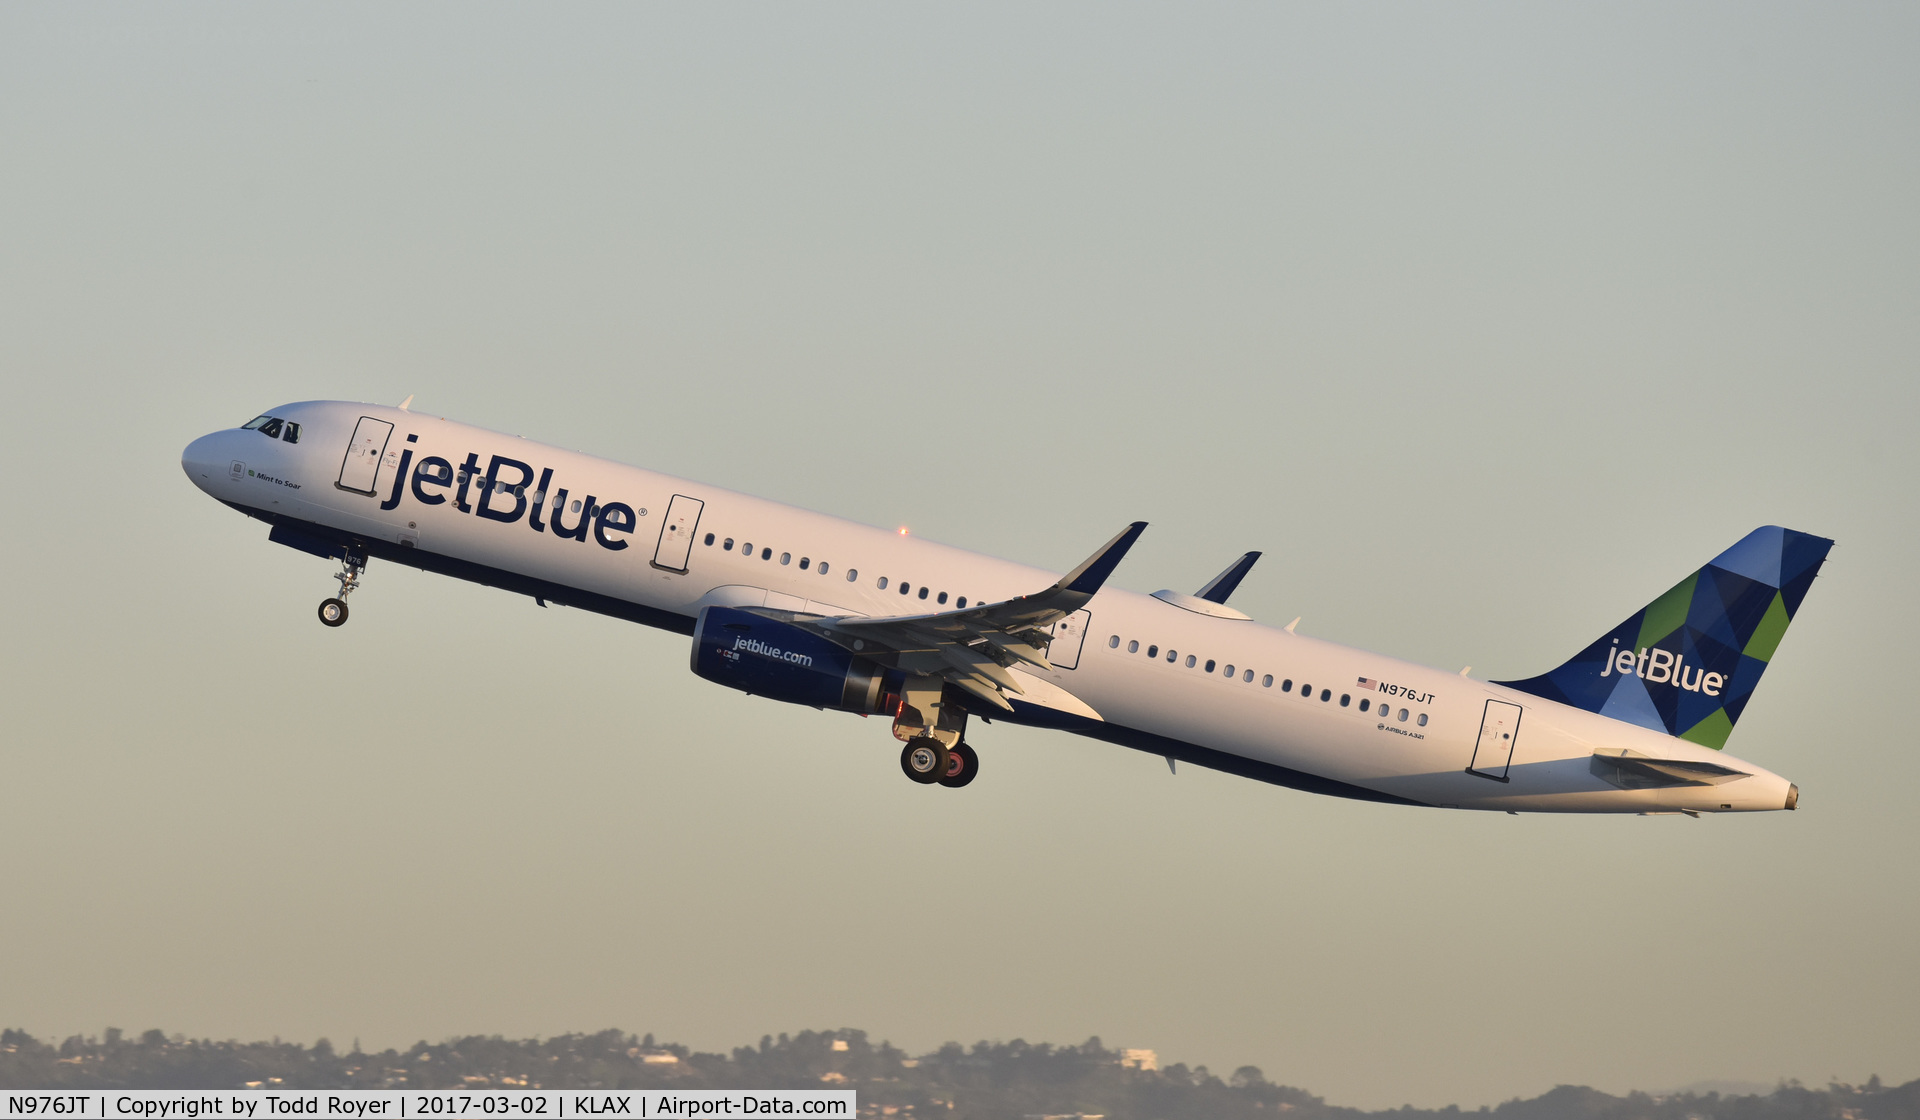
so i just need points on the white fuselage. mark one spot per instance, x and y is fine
(1415, 740)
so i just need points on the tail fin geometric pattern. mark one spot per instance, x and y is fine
(1687, 663)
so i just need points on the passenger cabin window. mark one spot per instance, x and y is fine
(1422, 721)
(942, 600)
(1154, 651)
(1114, 642)
(853, 574)
(881, 583)
(1403, 715)
(1363, 703)
(786, 558)
(1190, 660)
(804, 562)
(766, 554)
(727, 545)
(905, 587)
(1326, 694)
(710, 540)
(1134, 647)
(1266, 681)
(1228, 670)
(961, 602)
(1345, 699)
(1306, 690)
(823, 567)
(923, 592)
(1249, 677)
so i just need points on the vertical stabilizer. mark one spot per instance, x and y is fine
(1687, 662)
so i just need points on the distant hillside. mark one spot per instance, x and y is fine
(990, 1081)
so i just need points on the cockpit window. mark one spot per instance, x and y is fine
(273, 427)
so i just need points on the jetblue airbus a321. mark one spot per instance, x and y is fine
(810, 609)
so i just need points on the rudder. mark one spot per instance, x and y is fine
(1686, 663)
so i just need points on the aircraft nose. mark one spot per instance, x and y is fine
(204, 459)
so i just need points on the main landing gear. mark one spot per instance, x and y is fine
(333, 612)
(932, 726)
(926, 761)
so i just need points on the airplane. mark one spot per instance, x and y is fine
(810, 609)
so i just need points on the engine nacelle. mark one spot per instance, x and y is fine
(760, 656)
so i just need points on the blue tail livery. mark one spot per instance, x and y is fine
(1687, 662)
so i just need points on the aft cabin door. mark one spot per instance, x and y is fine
(676, 536)
(362, 464)
(1499, 728)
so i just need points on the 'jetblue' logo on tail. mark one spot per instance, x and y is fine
(1660, 666)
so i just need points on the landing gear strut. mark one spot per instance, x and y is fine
(333, 612)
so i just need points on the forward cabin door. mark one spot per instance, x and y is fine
(1499, 729)
(676, 535)
(362, 464)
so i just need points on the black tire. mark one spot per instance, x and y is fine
(333, 612)
(923, 760)
(963, 764)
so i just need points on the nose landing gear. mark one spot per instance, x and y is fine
(333, 612)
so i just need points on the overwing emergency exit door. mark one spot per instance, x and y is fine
(676, 535)
(1069, 634)
(1499, 728)
(362, 464)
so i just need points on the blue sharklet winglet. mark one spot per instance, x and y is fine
(1221, 586)
(1087, 578)
(1687, 663)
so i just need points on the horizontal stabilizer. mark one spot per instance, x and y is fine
(1633, 770)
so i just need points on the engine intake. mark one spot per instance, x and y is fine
(764, 657)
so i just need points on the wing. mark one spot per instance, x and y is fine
(974, 648)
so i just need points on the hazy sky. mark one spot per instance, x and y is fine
(1486, 323)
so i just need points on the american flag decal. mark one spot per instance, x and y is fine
(1369, 682)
